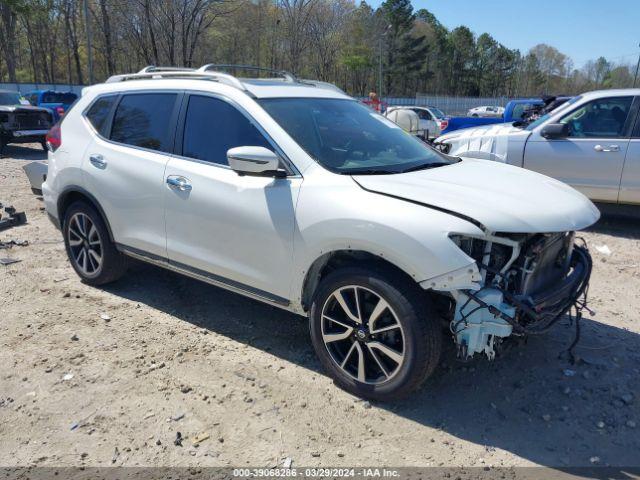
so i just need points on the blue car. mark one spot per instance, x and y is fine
(57, 102)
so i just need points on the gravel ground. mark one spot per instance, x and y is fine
(108, 376)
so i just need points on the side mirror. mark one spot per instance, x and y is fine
(254, 161)
(555, 130)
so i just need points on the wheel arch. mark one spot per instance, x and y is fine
(75, 193)
(335, 259)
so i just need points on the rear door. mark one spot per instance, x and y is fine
(124, 166)
(591, 157)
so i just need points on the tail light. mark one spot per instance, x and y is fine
(54, 137)
(444, 124)
(60, 110)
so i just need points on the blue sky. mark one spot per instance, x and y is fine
(582, 29)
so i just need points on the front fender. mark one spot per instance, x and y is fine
(412, 237)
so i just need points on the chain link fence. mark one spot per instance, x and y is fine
(453, 106)
(30, 87)
(448, 104)
(459, 105)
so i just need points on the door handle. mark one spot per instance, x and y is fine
(607, 148)
(98, 161)
(179, 183)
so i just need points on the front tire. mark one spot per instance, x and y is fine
(91, 252)
(375, 332)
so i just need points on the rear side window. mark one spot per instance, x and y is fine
(213, 126)
(99, 113)
(59, 97)
(144, 120)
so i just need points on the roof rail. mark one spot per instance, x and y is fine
(289, 77)
(153, 68)
(161, 72)
(210, 72)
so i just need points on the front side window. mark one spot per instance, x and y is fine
(437, 112)
(144, 120)
(213, 126)
(347, 137)
(99, 112)
(602, 118)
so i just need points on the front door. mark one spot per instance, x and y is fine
(237, 230)
(591, 157)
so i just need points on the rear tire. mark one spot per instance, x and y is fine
(398, 341)
(91, 252)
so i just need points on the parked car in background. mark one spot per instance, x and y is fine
(58, 102)
(20, 123)
(591, 142)
(408, 120)
(432, 119)
(486, 111)
(299, 196)
(515, 111)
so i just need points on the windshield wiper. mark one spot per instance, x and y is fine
(371, 171)
(426, 166)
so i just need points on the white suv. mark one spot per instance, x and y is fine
(292, 193)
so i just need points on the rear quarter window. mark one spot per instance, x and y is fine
(98, 113)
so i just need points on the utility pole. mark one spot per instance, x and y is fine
(87, 24)
(637, 68)
(380, 83)
(380, 71)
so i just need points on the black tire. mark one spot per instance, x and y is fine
(422, 333)
(113, 265)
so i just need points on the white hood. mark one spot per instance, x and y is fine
(501, 197)
(488, 142)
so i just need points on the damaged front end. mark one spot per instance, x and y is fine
(524, 283)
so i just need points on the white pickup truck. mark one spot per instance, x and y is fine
(592, 142)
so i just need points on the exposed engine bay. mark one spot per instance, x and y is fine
(528, 282)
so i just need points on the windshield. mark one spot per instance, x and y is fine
(546, 116)
(59, 97)
(437, 112)
(349, 138)
(10, 98)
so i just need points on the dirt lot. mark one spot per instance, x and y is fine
(94, 376)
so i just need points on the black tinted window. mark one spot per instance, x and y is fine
(144, 120)
(59, 97)
(423, 114)
(99, 112)
(213, 126)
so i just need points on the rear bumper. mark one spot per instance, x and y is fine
(24, 136)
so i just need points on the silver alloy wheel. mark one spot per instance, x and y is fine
(85, 244)
(362, 334)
